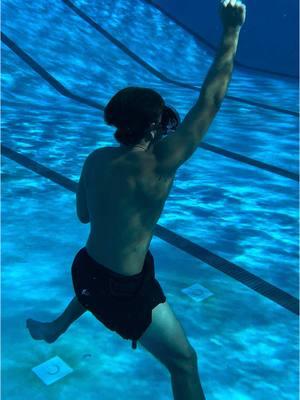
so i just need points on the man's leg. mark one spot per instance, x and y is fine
(73, 311)
(50, 331)
(166, 340)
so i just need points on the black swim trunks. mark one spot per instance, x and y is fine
(122, 303)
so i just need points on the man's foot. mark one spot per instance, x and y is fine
(47, 331)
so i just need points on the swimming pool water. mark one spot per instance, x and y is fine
(245, 214)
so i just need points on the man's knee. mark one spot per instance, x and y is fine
(192, 357)
(186, 363)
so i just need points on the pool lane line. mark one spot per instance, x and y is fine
(160, 75)
(65, 92)
(241, 275)
(213, 48)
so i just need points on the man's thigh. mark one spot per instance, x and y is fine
(166, 340)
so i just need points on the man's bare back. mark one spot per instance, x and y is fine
(125, 192)
(125, 198)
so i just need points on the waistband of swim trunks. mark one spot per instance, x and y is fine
(96, 267)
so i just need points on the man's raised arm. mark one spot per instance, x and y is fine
(217, 80)
(171, 152)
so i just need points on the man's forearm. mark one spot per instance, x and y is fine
(217, 80)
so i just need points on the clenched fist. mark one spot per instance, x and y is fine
(233, 13)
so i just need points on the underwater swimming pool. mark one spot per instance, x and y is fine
(226, 246)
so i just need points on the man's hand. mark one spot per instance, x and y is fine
(233, 13)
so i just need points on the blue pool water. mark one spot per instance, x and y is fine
(230, 224)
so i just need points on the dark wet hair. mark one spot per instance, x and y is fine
(131, 111)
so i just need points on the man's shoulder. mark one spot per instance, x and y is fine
(91, 158)
(101, 157)
(101, 150)
(98, 153)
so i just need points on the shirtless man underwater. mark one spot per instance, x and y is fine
(121, 193)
